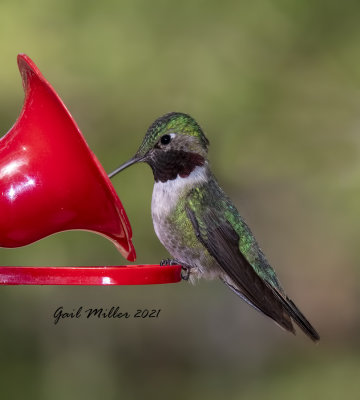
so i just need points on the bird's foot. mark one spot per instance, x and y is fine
(185, 270)
(169, 261)
(185, 273)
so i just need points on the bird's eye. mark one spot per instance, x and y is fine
(166, 139)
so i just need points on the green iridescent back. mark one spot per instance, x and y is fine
(210, 195)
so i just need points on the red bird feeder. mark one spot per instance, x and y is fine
(50, 181)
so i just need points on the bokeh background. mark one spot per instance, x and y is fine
(276, 87)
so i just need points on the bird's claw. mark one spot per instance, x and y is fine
(168, 262)
(185, 271)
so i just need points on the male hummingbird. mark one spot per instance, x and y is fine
(199, 225)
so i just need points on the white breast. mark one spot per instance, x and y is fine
(166, 194)
(164, 199)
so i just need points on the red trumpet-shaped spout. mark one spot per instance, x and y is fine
(50, 180)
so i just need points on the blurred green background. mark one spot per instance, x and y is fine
(276, 87)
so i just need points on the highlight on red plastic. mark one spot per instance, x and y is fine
(123, 275)
(50, 180)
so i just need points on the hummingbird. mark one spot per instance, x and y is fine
(199, 225)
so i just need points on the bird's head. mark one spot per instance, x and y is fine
(174, 145)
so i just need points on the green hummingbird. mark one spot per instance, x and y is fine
(199, 225)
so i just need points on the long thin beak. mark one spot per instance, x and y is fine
(125, 165)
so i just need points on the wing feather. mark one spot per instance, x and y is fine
(222, 242)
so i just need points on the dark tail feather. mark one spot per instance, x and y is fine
(298, 317)
(282, 311)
